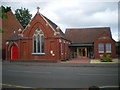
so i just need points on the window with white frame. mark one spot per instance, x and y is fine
(38, 41)
(108, 47)
(101, 47)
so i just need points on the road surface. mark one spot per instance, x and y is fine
(59, 76)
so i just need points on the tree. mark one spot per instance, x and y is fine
(3, 11)
(23, 16)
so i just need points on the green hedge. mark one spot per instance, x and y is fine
(106, 58)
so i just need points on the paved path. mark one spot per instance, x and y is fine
(87, 60)
(78, 60)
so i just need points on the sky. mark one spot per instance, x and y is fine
(73, 13)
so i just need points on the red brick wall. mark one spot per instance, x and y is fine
(26, 50)
(52, 44)
(101, 39)
(36, 22)
(9, 25)
(63, 49)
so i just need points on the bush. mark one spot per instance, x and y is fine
(65, 60)
(106, 58)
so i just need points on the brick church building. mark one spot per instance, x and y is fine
(10, 25)
(44, 40)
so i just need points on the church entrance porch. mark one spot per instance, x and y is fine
(82, 50)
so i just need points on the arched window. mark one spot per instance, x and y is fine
(38, 41)
(34, 44)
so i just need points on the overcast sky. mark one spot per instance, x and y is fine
(74, 13)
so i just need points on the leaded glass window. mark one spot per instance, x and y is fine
(34, 44)
(38, 41)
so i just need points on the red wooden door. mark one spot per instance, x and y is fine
(14, 53)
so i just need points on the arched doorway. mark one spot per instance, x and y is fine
(14, 52)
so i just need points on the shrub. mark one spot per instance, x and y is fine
(106, 58)
(65, 60)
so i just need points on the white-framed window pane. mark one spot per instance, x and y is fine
(108, 47)
(101, 47)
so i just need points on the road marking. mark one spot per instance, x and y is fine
(10, 85)
(29, 72)
(99, 74)
(109, 86)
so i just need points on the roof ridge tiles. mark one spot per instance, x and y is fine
(87, 28)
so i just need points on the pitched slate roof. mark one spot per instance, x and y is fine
(54, 26)
(85, 35)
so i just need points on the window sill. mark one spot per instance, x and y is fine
(108, 52)
(38, 53)
(101, 52)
